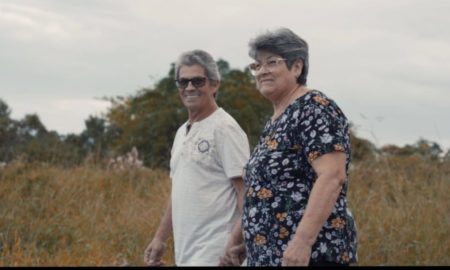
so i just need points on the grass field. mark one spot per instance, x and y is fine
(89, 216)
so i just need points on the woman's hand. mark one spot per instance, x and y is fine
(296, 254)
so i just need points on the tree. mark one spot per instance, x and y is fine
(428, 148)
(361, 148)
(148, 121)
(7, 133)
(422, 147)
(93, 137)
(239, 97)
(31, 127)
(29, 139)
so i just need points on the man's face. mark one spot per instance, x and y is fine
(198, 93)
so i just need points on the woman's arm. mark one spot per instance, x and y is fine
(331, 175)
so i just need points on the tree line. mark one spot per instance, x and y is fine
(148, 120)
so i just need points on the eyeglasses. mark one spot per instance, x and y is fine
(269, 64)
(197, 82)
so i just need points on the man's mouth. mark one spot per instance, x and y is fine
(191, 95)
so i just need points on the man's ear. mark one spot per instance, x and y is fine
(216, 85)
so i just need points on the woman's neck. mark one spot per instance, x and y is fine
(280, 106)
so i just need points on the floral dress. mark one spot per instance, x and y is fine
(279, 178)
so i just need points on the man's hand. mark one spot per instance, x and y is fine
(153, 253)
(234, 256)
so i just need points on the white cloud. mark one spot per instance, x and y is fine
(386, 60)
(28, 23)
(68, 105)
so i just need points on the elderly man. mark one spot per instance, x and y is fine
(207, 158)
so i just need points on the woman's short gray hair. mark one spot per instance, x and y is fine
(285, 43)
(201, 58)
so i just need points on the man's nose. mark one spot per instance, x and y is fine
(190, 86)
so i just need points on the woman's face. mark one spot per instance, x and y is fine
(273, 78)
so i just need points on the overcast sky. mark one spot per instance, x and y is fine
(386, 63)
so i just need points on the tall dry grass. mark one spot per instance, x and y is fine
(402, 209)
(85, 216)
(89, 216)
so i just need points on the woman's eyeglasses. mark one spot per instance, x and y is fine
(197, 82)
(269, 64)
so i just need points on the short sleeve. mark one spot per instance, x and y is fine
(233, 149)
(323, 129)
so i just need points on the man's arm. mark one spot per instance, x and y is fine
(238, 185)
(235, 249)
(155, 249)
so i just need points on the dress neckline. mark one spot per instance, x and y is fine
(297, 100)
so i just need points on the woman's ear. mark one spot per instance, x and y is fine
(298, 65)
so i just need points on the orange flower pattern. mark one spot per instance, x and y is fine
(279, 178)
(283, 232)
(321, 100)
(338, 223)
(260, 240)
(264, 193)
(344, 257)
(272, 144)
(313, 156)
(281, 216)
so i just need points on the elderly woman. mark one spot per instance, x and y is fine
(295, 210)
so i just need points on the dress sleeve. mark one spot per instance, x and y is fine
(323, 129)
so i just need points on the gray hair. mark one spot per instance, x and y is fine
(201, 58)
(285, 43)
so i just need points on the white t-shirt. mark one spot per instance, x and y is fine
(204, 202)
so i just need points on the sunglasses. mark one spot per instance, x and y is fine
(197, 82)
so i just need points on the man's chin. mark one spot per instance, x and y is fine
(191, 105)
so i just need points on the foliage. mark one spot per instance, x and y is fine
(362, 149)
(29, 140)
(148, 121)
(239, 97)
(7, 133)
(422, 147)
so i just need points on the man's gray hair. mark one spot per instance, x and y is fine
(201, 58)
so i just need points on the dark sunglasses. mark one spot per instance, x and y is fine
(197, 82)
